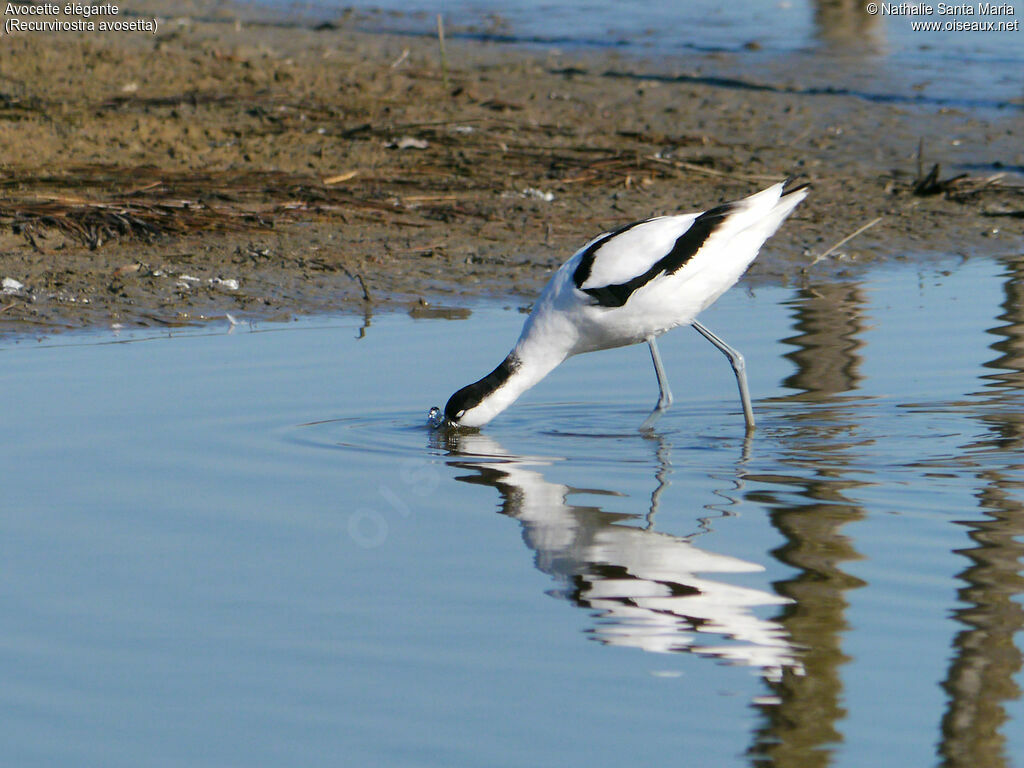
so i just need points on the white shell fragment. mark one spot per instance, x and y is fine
(538, 194)
(228, 284)
(10, 285)
(407, 142)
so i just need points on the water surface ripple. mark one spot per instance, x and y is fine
(249, 548)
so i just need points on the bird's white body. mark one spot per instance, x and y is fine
(628, 287)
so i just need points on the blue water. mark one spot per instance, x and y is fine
(245, 548)
(816, 46)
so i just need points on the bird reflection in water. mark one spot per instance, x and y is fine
(647, 589)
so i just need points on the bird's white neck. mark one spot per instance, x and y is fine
(534, 356)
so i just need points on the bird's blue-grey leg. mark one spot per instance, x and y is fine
(739, 367)
(665, 396)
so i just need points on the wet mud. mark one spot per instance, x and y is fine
(228, 165)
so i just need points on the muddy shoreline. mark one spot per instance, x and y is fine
(261, 169)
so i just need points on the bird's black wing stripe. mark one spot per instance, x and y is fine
(682, 251)
(797, 188)
(472, 395)
(579, 277)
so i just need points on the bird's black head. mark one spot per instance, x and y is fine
(462, 401)
(455, 410)
(460, 406)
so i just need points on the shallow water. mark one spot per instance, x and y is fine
(815, 46)
(246, 549)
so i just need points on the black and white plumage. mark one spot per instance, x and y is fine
(631, 286)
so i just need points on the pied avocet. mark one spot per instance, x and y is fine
(631, 286)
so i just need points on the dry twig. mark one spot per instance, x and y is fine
(848, 238)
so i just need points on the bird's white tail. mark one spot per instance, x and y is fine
(746, 224)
